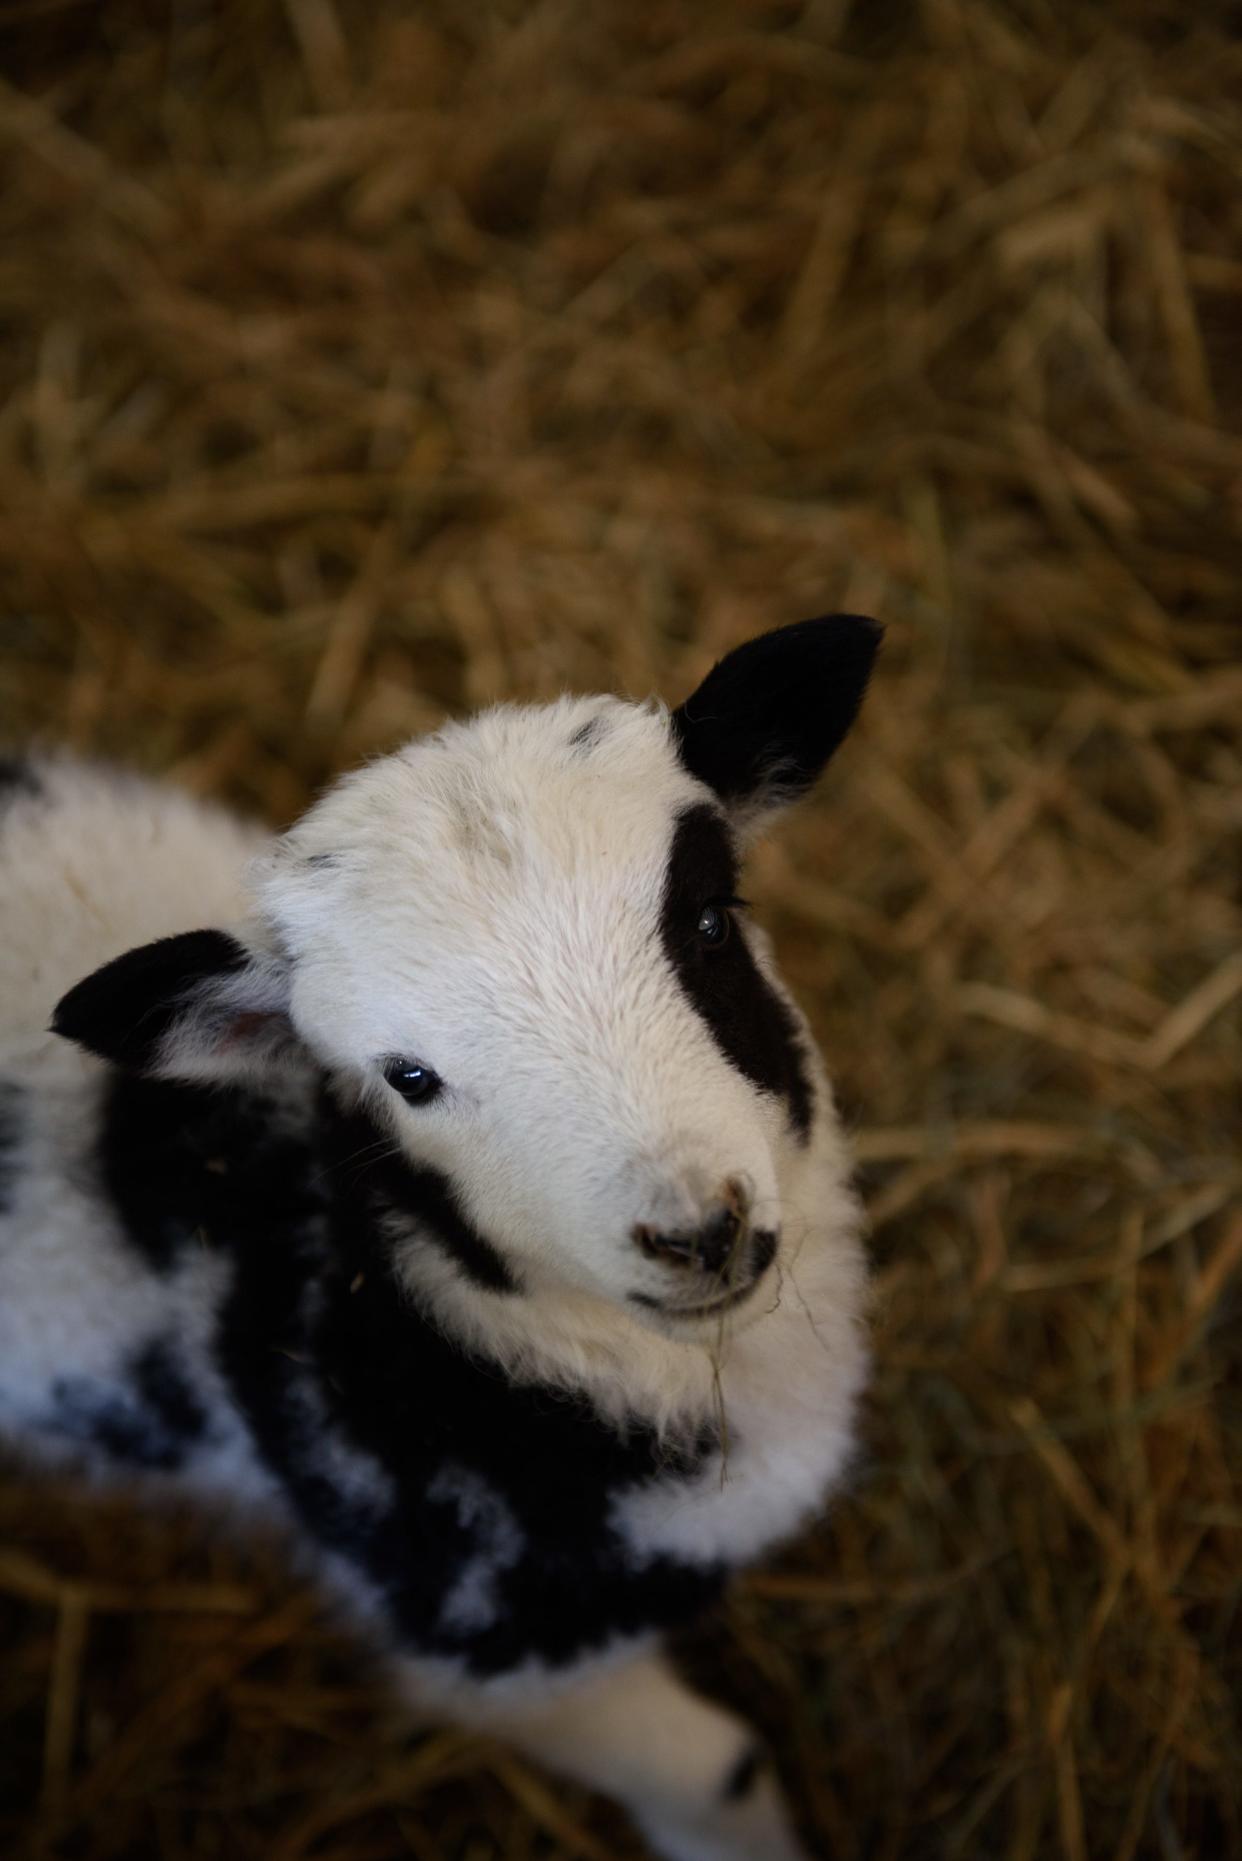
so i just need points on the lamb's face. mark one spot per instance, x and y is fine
(517, 949)
(518, 944)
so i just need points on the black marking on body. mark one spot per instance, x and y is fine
(408, 1398)
(123, 1010)
(11, 1096)
(161, 1387)
(188, 1165)
(744, 1775)
(149, 1418)
(766, 719)
(364, 1159)
(750, 1023)
(357, 1403)
(17, 779)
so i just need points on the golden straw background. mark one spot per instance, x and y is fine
(362, 364)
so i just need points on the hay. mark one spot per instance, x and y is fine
(363, 364)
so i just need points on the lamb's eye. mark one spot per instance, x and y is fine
(714, 925)
(416, 1083)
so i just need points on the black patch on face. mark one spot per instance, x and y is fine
(425, 1195)
(17, 778)
(10, 1132)
(766, 719)
(187, 1165)
(587, 735)
(151, 1418)
(123, 1011)
(744, 1775)
(749, 1022)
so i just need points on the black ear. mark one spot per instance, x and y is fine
(765, 720)
(197, 1006)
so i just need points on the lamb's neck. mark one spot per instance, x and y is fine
(567, 1340)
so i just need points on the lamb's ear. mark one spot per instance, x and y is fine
(765, 720)
(197, 1006)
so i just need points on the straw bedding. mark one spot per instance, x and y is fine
(364, 364)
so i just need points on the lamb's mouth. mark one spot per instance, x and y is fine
(712, 1309)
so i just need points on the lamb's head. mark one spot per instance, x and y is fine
(516, 949)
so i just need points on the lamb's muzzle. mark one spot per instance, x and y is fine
(713, 1266)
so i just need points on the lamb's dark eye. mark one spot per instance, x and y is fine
(416, 1083)
(714, 925)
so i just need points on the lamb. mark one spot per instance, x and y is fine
(453, 1182)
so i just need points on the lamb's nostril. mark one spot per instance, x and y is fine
(671, 1249)
(718, 1238)
(763, 1251)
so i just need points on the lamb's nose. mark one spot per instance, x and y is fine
(712, 1245)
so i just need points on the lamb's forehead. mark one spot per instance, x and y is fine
(515, 795)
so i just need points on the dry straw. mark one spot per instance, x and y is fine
(363, 364)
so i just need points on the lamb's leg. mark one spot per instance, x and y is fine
(690, 1775)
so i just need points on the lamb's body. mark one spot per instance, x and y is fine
(93, 863)
(243, 1287)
